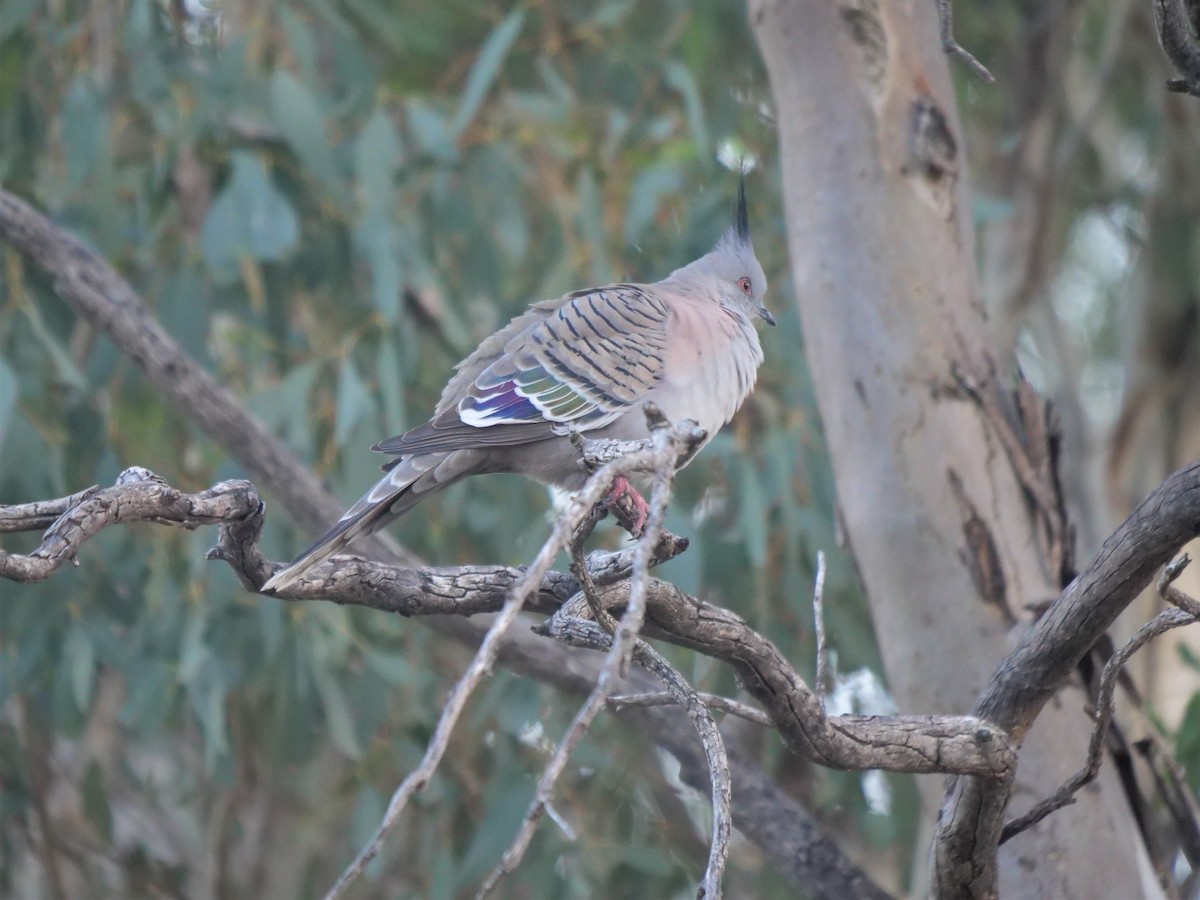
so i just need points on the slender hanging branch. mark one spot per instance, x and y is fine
(953, 47)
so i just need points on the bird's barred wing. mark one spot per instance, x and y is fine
(585, 364)
(580, 367)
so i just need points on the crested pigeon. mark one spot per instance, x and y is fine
(584, 362)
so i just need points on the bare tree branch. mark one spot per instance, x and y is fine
(1174, 21)
(951, 46)
(40, 515)
(1186, 613)
(822, 678)
(712, 701)
(138, 496)
(971, 823)
(922, 744)
(581, 633)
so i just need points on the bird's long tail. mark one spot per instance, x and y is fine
(408, 481)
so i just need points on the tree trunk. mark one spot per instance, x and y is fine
(931, 456)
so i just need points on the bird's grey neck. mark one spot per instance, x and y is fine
(694, 273)
(693, 279)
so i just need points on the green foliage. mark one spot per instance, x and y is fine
(329, 203)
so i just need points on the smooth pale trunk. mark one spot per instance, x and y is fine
(882, 253)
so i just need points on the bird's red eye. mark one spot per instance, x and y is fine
(744, 284)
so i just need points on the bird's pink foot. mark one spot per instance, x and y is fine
(630, 506)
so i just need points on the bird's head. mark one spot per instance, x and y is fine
(732, 266)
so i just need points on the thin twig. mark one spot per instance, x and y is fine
(579, 568)
(610, 566)
(712, 701)
(718, 766)
(819, 626)
(563, 825)
(667, 451)
(545, 790)
(582, 633)
(1185, 611)
(1173, 595)
(951, 46)
(416, 781)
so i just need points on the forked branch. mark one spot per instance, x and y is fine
(972, 820)
(1184, 611)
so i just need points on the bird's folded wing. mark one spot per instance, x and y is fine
(579, 366)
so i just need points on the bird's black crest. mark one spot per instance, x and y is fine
(741, 222)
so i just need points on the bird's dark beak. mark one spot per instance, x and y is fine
(765, 315)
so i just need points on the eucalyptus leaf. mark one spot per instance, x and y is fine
(207, 691)
(752, 512)
(353, 402)
(300, 42)
(8, 397)
(250, 217)
(337, 713)
(680, 77)
(96, 806)
(14, 14)
(85, 130)
(81, 655)
(646, 197)
(375, 238)
(194, 652)
(391, 386)
(590, 218)
(487, 66)
(377, 157)
(301, 121)
(430, 130)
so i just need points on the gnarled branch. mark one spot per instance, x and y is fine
(972, 818)
(919, 744)
(1176, 24)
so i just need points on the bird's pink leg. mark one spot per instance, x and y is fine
(637, 510)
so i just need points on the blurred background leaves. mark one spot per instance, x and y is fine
(330, 202)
